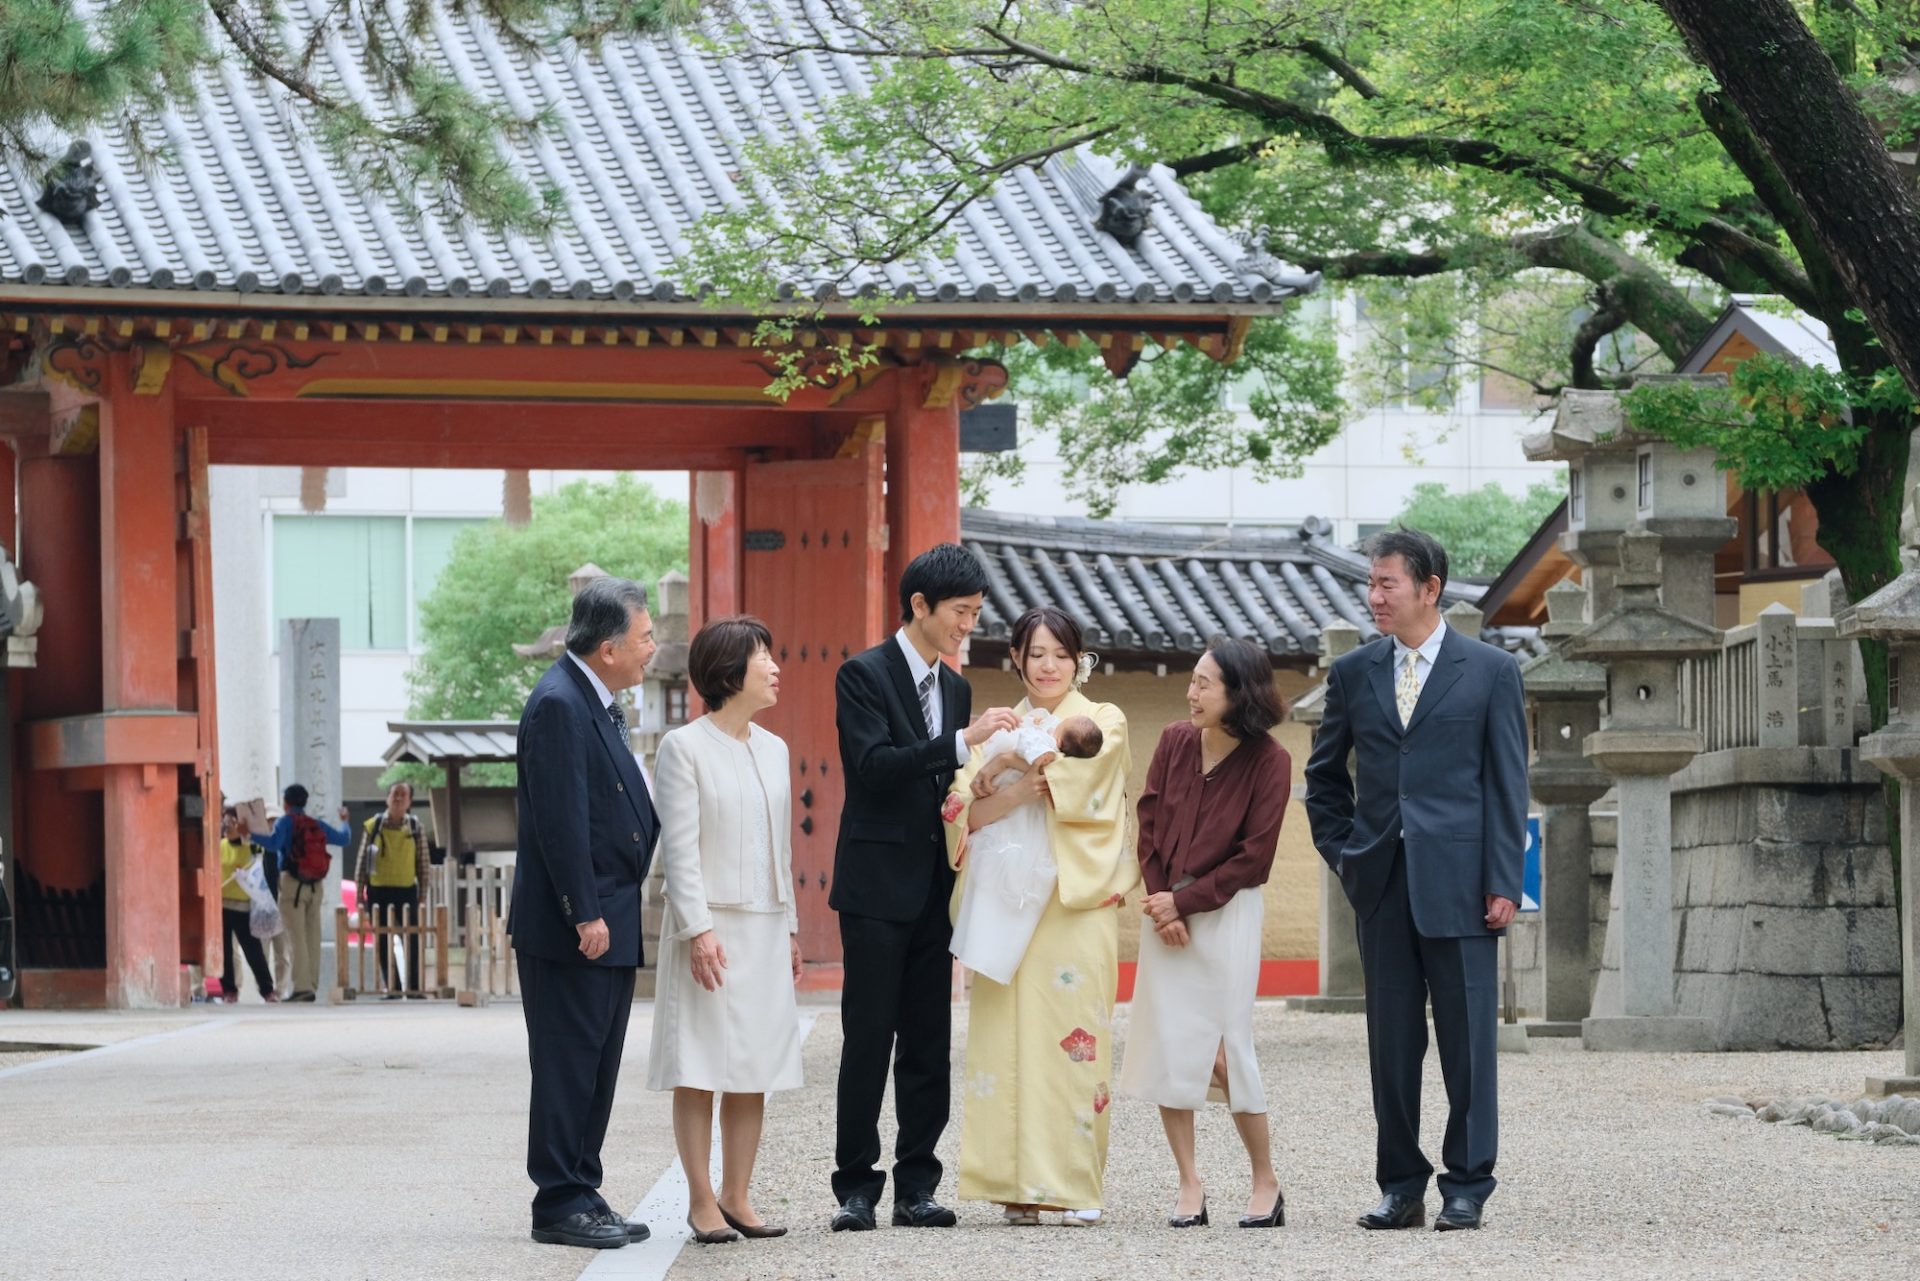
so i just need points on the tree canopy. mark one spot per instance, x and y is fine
(1482, 529)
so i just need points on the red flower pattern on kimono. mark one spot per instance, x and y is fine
(1079, 1045)
(1101, 1098)
(951, 810)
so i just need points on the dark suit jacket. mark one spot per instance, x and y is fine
(890, 849)
(1454, 781)
(587, 825)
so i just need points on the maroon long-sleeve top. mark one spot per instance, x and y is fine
(1220, 828)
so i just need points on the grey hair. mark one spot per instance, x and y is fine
(602, 612)
(1420, 552)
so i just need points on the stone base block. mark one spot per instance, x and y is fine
(1549, 1027)
(1327, 1004)
(1513, 1039)
(1881, 1086)
(1672, 1034)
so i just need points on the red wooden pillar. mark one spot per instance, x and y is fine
(140, 648)
(923, 470)
(9, 467)
(713, 546)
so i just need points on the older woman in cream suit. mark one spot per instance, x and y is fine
(724, 1018)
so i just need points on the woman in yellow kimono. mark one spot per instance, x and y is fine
(1038, 1077)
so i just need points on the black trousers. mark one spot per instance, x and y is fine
(895, 1005)
(576, 1029)
(237, 923)
(399, 897)
(1403, 968)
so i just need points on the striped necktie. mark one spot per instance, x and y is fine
(619, 719)
(926, 702)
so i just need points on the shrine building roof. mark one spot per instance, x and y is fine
(646, 137)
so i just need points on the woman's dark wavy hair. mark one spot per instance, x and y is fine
(718, 657)
(1253, 706)
(1058, 621)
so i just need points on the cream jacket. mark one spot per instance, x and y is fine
(703, 802)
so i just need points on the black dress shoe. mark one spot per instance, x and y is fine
(855, 1215)
(636, 1232)
(588, 1229)
(757, 1231)
(1274, 1218)
(922, 1211)
(1395, 1211)
(1191, 1220)
(1458, 1214)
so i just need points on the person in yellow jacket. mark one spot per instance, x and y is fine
(237, 852)
(392, 873)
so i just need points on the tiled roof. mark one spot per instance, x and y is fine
(647, 137)
(1141, 590)
(430, 741)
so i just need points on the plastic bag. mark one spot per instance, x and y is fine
(264, 918)
(265, 922)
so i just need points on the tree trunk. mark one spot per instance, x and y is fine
(1827, 153)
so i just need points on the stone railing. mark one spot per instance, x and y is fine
(1780, 681)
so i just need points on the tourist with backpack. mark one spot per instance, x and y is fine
(392, 873)
(300, 842)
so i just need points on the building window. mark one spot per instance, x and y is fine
(1504, 393)
(1646, 480)
(676, 705)
(1769, 527)
(1576, 494)
(370, 572)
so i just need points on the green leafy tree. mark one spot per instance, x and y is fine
(506, 584)
(1482, 529)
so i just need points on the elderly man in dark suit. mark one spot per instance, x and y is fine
(1427, 839)
(587, 831)
(902, 717)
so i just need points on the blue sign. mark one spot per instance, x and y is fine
(1530, 876)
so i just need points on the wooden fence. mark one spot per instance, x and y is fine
(409, 941)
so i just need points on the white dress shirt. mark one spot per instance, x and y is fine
(599, 686)
(917, 670)
(1429, 654)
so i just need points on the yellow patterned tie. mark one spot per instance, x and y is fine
(1407, 692)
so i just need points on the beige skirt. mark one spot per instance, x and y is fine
(1188, 1001)
(743, 1038)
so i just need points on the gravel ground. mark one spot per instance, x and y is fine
(14, 1059)
(1610, 1166)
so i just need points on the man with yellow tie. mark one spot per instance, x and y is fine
(1428, 837)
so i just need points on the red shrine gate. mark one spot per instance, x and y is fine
(114, 417)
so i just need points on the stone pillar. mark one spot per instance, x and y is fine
(310, 731)
(1565, 693)
(1640, 745)
(1342, 982)
(1893, 613)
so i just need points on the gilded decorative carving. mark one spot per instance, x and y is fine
(235, 364)
(973, 381)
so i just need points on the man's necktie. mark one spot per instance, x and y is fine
(926, 702)
(1407, 692)
(619, 719)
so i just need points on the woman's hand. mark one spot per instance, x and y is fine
(1174, 934)
(708, 959)
(1160, 907)
(798, 966)
(983, 784)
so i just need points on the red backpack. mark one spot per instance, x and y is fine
(309, 856)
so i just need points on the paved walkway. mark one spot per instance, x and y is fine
(386, 1142)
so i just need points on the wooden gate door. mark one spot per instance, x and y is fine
(813, 569)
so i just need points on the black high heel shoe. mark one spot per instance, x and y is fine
(1274, 1218)
(1191, 1220)
(719, 1236)
(751, 1231)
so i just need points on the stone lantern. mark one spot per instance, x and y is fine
(1342, 983)
(1893, 614)
(1586, 435)
(1680, 495)
(1565, 695)
(1640, 745)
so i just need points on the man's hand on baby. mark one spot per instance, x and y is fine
(989, 723)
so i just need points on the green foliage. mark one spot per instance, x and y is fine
(507, 584)
(1482, 529)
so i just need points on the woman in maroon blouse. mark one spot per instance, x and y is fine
(1209, 821)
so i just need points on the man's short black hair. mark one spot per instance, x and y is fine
(941, 573)
(1420, 552)
(295, 796)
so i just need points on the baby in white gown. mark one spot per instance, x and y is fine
(1009, 866)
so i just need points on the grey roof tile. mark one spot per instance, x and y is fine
(647, 137)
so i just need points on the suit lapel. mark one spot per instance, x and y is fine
(1441, 679)
(903, 685)
(1381, 678)
(621, 754)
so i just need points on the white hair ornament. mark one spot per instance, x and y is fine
(1088, 661)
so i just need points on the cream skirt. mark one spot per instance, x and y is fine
(742, 1039)
(1188, 1000)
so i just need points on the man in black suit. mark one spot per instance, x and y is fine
(1429, 853)
(587, 830)
(902, 716)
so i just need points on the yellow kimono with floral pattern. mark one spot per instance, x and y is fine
(1038, 1078)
